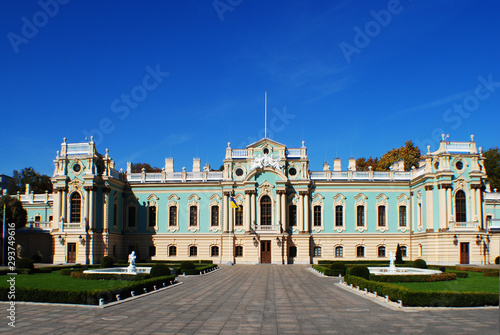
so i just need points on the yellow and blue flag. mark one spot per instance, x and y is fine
(233, 204)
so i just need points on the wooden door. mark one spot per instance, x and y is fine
(265, 248)
(71, 252)
(464, 253)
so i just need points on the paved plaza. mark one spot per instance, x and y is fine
(251, 299)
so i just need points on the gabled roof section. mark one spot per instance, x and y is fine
(260, 143)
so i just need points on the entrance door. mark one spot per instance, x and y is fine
(265, 248)
(71, 252)
(464, 253)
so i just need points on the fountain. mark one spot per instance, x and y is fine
(393, 270)
(131, 269)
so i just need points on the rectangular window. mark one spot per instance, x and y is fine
(131, 216)
(339, 252)
(360, 251)
(339, 216)
(214, 219)
(317, 216)
(193, 215)
(193, 251)
(38, 218)
(152, 216)
(238, 219)
(317, 251)
(292, 215)
(172, 250)
(172, 216)
(403, 251)
(402, 216)
(381, 216)
(115, 214)
(360, 216)
(238, 251)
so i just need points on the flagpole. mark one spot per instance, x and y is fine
(265, 115)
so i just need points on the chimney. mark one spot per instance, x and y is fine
(169, 164)
(129, 167)
(27, 189)
(336, 164)
(196, 165)
(352, 164)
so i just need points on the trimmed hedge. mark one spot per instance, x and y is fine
(187, 266)
(420, 264)
(107, 262)
(195, 271)
(109, 276)
(491, 272)
(25, 263)
(90, 297)
(159, 270)
(359, 271)
(338, 268)
(414, 278)
(426, 298)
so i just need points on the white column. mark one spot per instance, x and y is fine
(473, 212)
(56, 211)
(246, 210)
(300, 211)
(443, 216)
(430, 212)
(306, 214)
(449, 205)
(225, 214)
(478, 206)
(277, 212)
(283, 212)
(85, 206)
(91, 208)
(252, 209)
(64, 205)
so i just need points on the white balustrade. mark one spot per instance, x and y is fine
(492, 196)
(215, 175)
(315, 175)
(381, 175)
(294, 152)
(458, 147)
(78, 149)
(356, 175)
(194, 176)
(239, 153)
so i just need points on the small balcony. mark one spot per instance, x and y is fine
(463, 226)
(276, 229)
(493, 225)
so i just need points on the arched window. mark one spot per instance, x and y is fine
(460, 206)
(339, 252)
(214, 251)
(238, 251)
(381, 251)
(360, 251)
(76, 207)
(193, 250)
(265, 211)
(172, 250)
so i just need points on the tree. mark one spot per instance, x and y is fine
(492, 166)
(39, 183)
(399, 256)
(14, 211)
(409, 153)
(137, 168)
(363, 164)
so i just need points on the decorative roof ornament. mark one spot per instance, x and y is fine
(263, 161)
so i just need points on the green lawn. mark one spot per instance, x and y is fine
(55, 280)
(476, 282)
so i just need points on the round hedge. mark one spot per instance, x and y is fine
(36, 258)
(419, 263)
(497, 260)
(159, 270)
(106, 262)
(338, 268)
(25, 263)
(187, 265)
(360, 271)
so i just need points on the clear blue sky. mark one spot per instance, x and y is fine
(350, 78)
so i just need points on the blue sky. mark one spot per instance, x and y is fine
(350, 78)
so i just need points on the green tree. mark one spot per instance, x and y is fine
(492, 166)
(137, 168)
(39, 183)
(399, 256)
(409, 153)
(14, 211)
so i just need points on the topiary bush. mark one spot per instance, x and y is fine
(25, 263)
(159, 270)
(338, 268)
(187, 266)
(106, 262)
(399, 256)
(360, 271)
(36, 258)
(497, 260)
(419, 263)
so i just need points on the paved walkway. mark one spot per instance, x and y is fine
(250, 299)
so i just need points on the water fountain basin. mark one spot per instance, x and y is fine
(385, 271)
(120, 271)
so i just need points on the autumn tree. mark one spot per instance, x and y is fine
(38, 182)
(409, 153)
(492, 166)
(363, 164)
(137, 168)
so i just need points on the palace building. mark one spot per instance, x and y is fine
(442, 211)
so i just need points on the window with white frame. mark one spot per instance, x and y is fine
(339, 251)
(381, 216)
(381, 251)
(214, 216)
(317, 251)
(360, 251)
(402, 216)
(339, 216)
(172, 251)
(214, 251)
(172, 216)
(403, 251)
(360, 216)
(317, 216)
(193, 251)
(193, 216)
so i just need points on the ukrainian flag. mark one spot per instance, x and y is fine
(233, 204)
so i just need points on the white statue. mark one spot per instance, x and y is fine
(131, 259)
(260, 162)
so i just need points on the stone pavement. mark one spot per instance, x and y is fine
(250, 299)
